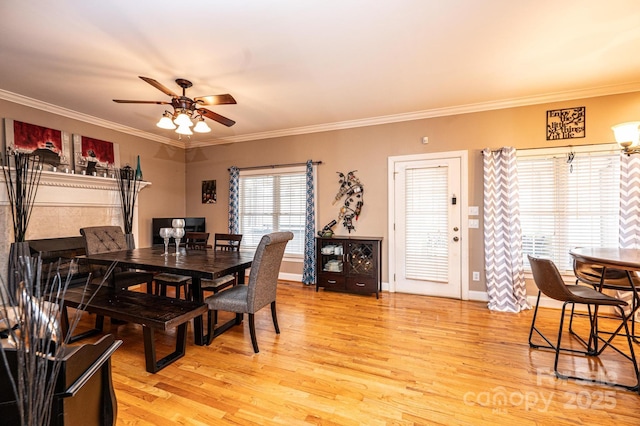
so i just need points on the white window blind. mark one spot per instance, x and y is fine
(270, 202)
(426, 256)
(568, 202)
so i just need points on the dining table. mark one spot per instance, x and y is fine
(197, 264)
(626, 259)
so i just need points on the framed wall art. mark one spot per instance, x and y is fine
(53, 146)
(568, 123)
(209, 192)
(90, 154)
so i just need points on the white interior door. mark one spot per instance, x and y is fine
(428, 226)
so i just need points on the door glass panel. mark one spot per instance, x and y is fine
(427, 224)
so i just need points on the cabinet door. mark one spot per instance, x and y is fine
(362, 258)
(331, 256)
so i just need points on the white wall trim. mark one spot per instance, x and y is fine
(348, 124)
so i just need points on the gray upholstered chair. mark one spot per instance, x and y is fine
(261, 289)
(104, 239)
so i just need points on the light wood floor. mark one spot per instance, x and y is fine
(353, 360)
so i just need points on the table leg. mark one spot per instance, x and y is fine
(199, 337)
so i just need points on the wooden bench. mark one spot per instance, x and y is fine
(151, 311)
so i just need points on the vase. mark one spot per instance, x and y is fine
(138, 170)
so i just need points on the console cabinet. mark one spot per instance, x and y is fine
(349, 264)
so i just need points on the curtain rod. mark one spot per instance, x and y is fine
(560, 146)
(275, 166)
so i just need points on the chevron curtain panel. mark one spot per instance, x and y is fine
(234, 185)
(502, 233)
(309, 269)
(629, 223)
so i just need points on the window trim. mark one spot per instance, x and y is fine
(279, 170)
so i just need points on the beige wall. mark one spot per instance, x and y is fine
(366, 149)
(175, 189)
(162, 165)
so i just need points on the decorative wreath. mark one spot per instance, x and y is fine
(353, 190)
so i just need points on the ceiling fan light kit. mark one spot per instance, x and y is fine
(186, 109)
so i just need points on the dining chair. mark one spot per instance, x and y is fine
(229, 242)
(196, 240)
(261, 288)
(550, 283)
(223, 242)
(621, 281)
(103, 239)
(192, 241)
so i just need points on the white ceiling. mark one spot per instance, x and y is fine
(296, 66)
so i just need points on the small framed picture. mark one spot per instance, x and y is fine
(209, 192)
(568, 123)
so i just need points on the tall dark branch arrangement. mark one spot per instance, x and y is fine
(35, 345)
(22, 173)
(129, 184)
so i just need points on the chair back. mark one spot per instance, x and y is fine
(263, 278)
(227, 242)
(104, 239)
(548, 279)
(196, 240)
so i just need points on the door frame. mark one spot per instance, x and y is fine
(463, 199)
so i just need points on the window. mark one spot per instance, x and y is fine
(568, 201)
(273, 200)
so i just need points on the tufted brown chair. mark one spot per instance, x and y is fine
(261, 290)
(550, 283)
(103, 239)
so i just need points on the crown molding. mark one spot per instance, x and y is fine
(341, 125)
(431, 113)
(75, 115)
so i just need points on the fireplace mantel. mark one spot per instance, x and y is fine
(68, 189)
(64, 203)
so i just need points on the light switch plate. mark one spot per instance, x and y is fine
(473, 210)
(474, 223)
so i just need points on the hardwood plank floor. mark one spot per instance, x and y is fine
(345, 359)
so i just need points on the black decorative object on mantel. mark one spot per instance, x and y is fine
(22, 173)
(129, 185)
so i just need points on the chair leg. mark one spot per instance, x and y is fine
(558, 346)
(275, 318)
(533, 328)
(252, 331)
(594, 332)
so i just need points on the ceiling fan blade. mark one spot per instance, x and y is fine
(216, 117)
(158, 86)
(124, 101)
(215, 100)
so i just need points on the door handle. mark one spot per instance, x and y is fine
(456, 239)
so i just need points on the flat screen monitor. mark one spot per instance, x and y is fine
(191, 224)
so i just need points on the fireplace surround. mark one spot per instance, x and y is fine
(65, 203)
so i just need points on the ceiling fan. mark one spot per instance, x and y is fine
(185, 109)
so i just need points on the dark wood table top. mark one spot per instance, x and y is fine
(195, 263)
(619, 258)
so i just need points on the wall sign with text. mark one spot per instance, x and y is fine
(568, 123)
